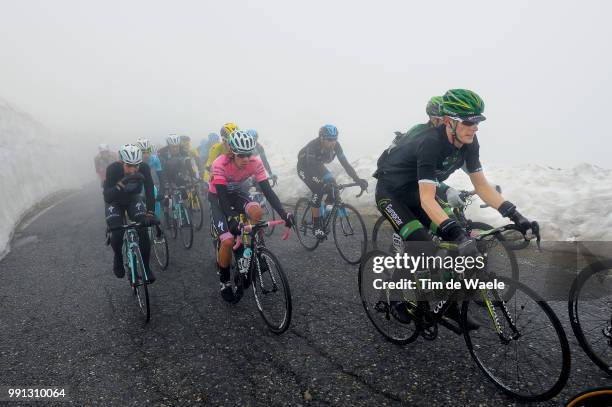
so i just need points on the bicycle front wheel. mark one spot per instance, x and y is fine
(160, 248)
(350, 235)
(590, 311)
(271, 290)
(185, 226)
(520, 345)
(500, 259)
(304, 228)
(141, 290)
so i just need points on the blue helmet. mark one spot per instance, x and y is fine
(213, 137)
(253, 133)
(329, 132)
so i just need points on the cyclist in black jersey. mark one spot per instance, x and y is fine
(123, 192)
(316, 176)
(409, 173)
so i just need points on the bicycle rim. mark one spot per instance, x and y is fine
(304, 226)
(350, 235)
(377, 303)
(532, 362)
(271, 290)
(590, 311)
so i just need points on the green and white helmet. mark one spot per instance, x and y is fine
(241, 142)
(463, 104)
(433, 106)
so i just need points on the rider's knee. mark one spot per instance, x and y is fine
(227, 240)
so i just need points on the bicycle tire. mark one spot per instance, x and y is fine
(344, 225)
(574, 314)
(260, 291)
(198, 209)
(186, 226)
(302, 227)
(162, 260)
(141, 291)
(507, 252)
(379, 312)
(561, 345)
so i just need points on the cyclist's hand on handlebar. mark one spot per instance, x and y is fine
(363, 184)
(289, 221)
(468, 248)
(507, 209)
(522, 222)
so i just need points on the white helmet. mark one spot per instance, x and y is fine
(103, 147)
(173, 140)
(130, 154)
(143, 144)
(241, 142)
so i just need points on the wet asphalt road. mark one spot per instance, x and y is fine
(66, 320)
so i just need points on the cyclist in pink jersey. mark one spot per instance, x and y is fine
(227, 201)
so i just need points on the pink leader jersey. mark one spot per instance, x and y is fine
(224, 172)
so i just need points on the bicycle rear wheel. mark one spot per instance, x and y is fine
(160, 248)
(304, 228)
(590, 311)
(377, 303)
(141, 290)
(185, 226)
(271, 290)
(382, 235)
(350, 235)
(521, 345)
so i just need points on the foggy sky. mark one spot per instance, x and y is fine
(112, 71)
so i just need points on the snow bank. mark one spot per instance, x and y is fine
(33, 164)
(569, 204)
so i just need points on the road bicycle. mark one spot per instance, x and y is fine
(347, 226)
(253, 264)
(179, 217)
(519, 343)
(133, 263)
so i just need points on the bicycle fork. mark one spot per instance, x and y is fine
(495, 319)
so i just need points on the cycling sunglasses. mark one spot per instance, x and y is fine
(132, 165)
(244, 155)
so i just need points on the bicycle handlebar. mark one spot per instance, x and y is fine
(250, 229)
(136, 225)
(535, 232)
(352, 184)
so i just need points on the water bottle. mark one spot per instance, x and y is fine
(322, 210)
(245, 260)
